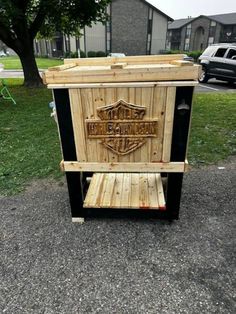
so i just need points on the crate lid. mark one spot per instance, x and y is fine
(124, 69)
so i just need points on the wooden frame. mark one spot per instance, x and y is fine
(73, 87)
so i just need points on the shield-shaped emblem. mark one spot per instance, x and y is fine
(121, 127)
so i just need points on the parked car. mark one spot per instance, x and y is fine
(116, 55)
(187, 58)
(218, 61)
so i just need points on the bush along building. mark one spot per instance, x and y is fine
(135, 27)
(200, 32)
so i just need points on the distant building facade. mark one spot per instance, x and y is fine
(135, 27)
(200, 32)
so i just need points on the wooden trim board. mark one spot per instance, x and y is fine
(137, 167)
(128, 84)
(129, 60)
(157, 72)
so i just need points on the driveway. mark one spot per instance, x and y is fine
(49, 265)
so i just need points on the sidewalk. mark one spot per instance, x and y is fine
(49, 265)
(14, 73)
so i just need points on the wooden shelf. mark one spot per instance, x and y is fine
(126, 190)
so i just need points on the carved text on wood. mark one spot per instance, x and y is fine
(121, 128)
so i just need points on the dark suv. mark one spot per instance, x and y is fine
(218, 61)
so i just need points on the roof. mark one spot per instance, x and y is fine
(157, 10)
(226, 19)
(179, 23)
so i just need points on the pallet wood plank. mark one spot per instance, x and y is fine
(94, 189)
(88, 113)
(158, 111)
(126, 191)
(110, 98)
(78, 124)
(128, 74)
(108, 189)
(123, 94)
(168, 124)
(71, 166)
(117, 191)
(99, 101)
(128, 60)
(143, 191)
(152, 191)
(160, 192)
(127, 84)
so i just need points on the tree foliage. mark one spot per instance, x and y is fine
(22, 20)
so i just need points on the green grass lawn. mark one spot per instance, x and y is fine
(29, 145)
(213, 132)
(13, 63)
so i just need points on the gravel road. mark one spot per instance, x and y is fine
(49, 265)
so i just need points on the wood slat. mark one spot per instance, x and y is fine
(129, 60)
(168, 126)
(128, 74)
(158, 111)
(117, 191)
(78, 124)
(62, 67)
(128, 84)
(160, 192)
(143, 191)
(108, 189)
(126, 190)
(152, 191)
(134, 199)
(95, 189)
(71, 166)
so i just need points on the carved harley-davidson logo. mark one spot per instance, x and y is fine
(122, 128)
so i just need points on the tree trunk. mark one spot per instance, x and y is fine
(31, 73)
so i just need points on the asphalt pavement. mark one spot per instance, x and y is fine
(49, 265)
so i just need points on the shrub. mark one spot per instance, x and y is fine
(100, 54)
(82, 54)
(194, 54)
(91, 54)
(74, 54)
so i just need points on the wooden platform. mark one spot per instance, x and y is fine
(126, 190)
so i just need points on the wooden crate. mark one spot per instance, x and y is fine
(124, 120)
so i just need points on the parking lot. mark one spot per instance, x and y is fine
(214, 85)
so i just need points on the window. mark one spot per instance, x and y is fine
(209, 51)
(186, 44)
(231, 54)
(149, 26)
(188, 31)
(210, 41)
(220, 52)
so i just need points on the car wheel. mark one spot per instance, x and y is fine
(203, 77)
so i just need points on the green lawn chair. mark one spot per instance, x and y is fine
(5, 93)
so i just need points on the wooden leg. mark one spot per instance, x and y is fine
(76, 196)
(173, 195)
